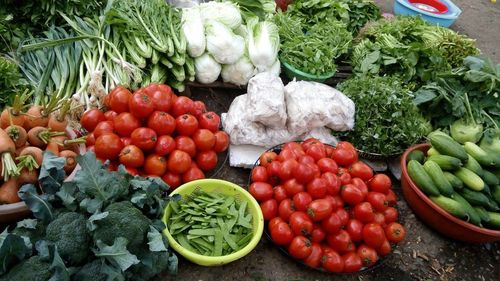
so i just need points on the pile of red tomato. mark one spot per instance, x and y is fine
(325, 206)
(153, 132)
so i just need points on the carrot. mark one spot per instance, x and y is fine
(17, 134)
(36, 116)
(71, 144)
(58, 120)
(40, 136)
(53, 147)
(70, 164)
(34, 152)
(7, 149)
(8, 192)
(19, 149)
(27, 176)
(13, 115)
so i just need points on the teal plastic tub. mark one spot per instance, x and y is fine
(291, 72)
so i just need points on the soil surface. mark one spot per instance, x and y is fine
(423, 255)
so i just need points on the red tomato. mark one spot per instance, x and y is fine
(131, 156)
(221, 141)
(339, 203)
(108, 146)
(140, 105)
(384, 249)
(103, 128)
(317, 188)
(377, 200)
(286, 169)
(306, 159)
(125, 123)
(155, 165)
(210, 121)
(351, 194)
(285, 154)
(380, 183)
(361, 170)
(161, 98)
(319, 209)
(273, 171)
(198, 108)
(300, 247)
(173, 180)
(292, 187)
(379, 218)
(269, 209)
(286, 209)
(395, 232)
(282, 234)
(194, 173)
(259, 173)
(329, 151)
(316, 151)
(119, 99)
(91, 118)
(186, 125)
(343, 216)
(132, 171)
(373, 235)
(301, 201)
(126, 141)
(162, 123)
(274, 222)
(317, 234)
(361, 185)
(332, 261)
(262, 191)
(164, 145)
(327, 165)
(341, 241)
(333, 183)
(207, 160)
(391, 198)
(185, 144)
(110, 115)
(304, 173)
(344, 157)
(309, 142)
(293, 146)
(345, 145)
(364, 212)
(204, 139)
(178, 161)
(280, 193)
(182, 105)
(314, 259)
(355, 229)
(90, 140)
(300, 223)
(267, 158)
(352, 262)
(368, 255)
(331, 224)
(144, 138)
(390, 215)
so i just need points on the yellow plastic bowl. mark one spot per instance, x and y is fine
(224, 187)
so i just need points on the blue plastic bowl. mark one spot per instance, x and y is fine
(403, 7)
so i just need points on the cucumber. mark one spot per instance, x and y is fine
(474, 166)
(447, 146)
(470, 179)
(486, 190)
(495, 193)
(432, 152)
(492, 205)
(474, 217)
(446, 162)
(438, 133)
(479, 154)
(494, 220)
(421, 178)
(437, 176)
(417, 155)
(490, 178)
(449, 205)
(455, 182)
(475, 198)
(483, 214)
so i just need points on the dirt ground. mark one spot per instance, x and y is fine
(423, 255)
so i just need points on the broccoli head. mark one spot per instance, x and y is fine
(90, 272)
(152, 264)
(33, 269)
(69, 232)
(124, 220)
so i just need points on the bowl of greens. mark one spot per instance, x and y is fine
(215, 222)
(292, 72)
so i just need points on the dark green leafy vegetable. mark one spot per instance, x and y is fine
(34, 268)
(386, 121)
(11, 81)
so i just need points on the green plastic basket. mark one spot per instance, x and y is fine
(291, 72)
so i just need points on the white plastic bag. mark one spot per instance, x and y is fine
(238, 73)
(207, 70)
(226, 13)
(266, 100)
(225, 46)
(194, 32)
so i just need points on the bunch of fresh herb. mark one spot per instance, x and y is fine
(386, 121)
(100, 225)
(11, 81)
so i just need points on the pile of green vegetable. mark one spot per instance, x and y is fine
(100, 225)
(464, 180)
(386, 120)
(210, 224)
(12, 83)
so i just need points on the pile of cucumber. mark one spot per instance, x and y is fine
(464, 180)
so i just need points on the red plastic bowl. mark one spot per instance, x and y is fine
(434, 216)
(431, 6)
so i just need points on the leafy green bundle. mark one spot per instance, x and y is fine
(11, 81)
(100, 225)
(386, 121)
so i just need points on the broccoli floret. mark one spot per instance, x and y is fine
(69, 232)
(124, 220)
(90, 272)
(152, 264)
(33, 269)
